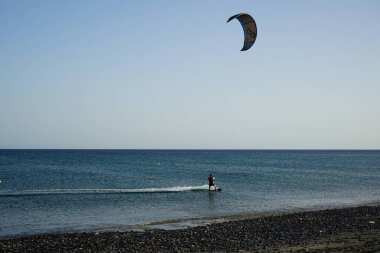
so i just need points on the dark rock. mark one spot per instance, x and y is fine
(257, 234)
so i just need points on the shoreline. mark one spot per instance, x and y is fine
(348, 228)
(184, 223)
(191, 222)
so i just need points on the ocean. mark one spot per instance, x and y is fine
(53, 191)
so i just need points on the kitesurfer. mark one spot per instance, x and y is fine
(211, 182)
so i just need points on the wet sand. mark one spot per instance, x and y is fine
(355, 229)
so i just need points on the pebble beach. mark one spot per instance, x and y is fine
(354, 229)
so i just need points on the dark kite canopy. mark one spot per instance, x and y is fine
(249, 28)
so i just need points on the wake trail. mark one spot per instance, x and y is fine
(20, 193)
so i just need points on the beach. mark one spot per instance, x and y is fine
(353, 229)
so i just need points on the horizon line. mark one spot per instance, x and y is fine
(205, 149)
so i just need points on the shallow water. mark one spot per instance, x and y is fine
(65, 190)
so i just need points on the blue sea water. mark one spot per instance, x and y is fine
(45, 191)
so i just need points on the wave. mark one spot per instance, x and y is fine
(11, 193)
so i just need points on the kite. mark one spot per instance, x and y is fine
(249, 28)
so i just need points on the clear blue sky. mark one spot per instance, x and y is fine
(170, 74)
